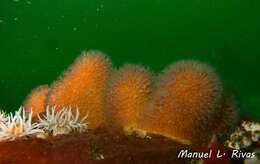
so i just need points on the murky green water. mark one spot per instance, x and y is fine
(40, 38)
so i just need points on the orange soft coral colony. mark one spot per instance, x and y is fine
(185, 102)
(36, 100)
(129, 94)
(226, 117)
(84, 86)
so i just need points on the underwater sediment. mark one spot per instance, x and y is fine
(95, 113)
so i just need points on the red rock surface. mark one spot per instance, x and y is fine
(96, 147)
(215, 147)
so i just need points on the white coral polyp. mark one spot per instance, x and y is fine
(18, 125)
(61, 122)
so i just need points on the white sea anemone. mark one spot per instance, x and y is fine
(62, 122)
(3, 116)
(18, 125)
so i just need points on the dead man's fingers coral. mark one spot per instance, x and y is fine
(84, 86)
(185, 103)
(226, 117)
(130, 92)
(36, 100)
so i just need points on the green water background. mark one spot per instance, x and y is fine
(39, 39)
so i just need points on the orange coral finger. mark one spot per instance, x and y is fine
(185, 103)
(84, 86)
(129, 94)
(226, 117)
(36, 100)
